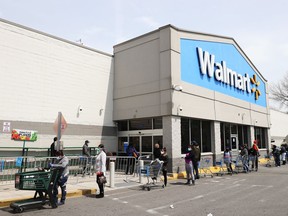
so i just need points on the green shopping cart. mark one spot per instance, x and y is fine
(42, 182)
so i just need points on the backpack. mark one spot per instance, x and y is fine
(252, 151)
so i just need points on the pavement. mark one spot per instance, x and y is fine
(79, 186)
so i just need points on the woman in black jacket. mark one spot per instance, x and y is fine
(164, 157)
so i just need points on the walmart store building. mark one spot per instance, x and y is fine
(170, 86)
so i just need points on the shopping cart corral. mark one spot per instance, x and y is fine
(42, 182)
(153, 172)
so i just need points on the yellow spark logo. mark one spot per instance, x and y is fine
(255, 89)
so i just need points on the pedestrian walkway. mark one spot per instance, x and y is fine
(79, 186)
(76, 186)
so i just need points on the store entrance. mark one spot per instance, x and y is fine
(234, 144)
(144, 143)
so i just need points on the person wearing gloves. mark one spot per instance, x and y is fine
(100, 170)
(189, 166)
(61, 163)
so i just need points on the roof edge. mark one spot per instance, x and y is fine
(54, 37)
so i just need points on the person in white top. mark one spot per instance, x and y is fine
(100, 170)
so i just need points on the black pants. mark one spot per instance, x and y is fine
(195, 166)
(130, 165)
(100, 185)
(62, 184)
(164, 172)
(277, 160)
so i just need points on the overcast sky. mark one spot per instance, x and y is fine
(258, 26)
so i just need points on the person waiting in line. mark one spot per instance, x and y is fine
(244, 158)
(276, 155)
(61, 163)
(101, 170)
(254, 155)
(157, 151)
(86, 155)
(53, 148)
(133, 155)
(197, 157)
(227, 158)
(283, 154)
(164, 158)
(189, 157)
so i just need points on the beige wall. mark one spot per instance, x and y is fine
(42, 75)
(147, 67)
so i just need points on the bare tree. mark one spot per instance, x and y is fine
(279, 91)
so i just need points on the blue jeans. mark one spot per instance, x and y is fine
(62, 181)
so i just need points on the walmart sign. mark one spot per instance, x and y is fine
(220, 67)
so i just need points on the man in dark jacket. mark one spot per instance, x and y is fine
(53, 148)
(86, 154)
(197, 157)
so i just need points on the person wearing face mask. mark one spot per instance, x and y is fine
(189, 158)
(164, 157)
(61, 163)
(100, 170)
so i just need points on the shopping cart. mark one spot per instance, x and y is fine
(238, 164)
(220, 165)
(42, 182)
(204, 167)
(269, 160)
(153, 172)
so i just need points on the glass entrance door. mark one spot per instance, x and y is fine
(142, 143)
(234, 145)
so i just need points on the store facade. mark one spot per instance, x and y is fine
(174, 86)
(169, 86)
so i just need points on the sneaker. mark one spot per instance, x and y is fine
(187, 183)
(99, 195)
(61, 203)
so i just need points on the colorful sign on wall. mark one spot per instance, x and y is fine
(222, 68)
(24, 135)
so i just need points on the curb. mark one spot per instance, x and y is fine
(70, 194)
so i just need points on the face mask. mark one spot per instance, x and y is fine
(189, 149)
(162, 152)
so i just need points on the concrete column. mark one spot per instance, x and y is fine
(251, 135)
(172, 141)
(216, 140)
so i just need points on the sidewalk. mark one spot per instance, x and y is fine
(79, 186)
(76, 187)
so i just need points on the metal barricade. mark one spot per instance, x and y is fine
(78, 165)
(9, 166)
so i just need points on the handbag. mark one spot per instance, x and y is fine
(102, 179)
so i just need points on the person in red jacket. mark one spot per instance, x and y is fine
(254, 154)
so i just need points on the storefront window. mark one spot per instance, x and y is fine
(233, 132)
(259, 135)
(135, 141)
(195, 130)
(122, 125)
(157, 123)
(121, 141)
(159, 140)
(185, 140)
(206, 136)
(146, 144)
(140, 124)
